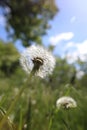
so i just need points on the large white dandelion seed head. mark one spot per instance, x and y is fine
(37, 59)
(66, 102)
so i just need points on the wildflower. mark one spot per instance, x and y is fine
(37, 60)
(66, 102)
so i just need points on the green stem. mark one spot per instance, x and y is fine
(66, 125)
(68, 91)
(20, 122)
(11, 106)
(28, 116)
(51, 118)
(66, 120)
(50, 123)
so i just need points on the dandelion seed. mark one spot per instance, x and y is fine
(66, 102)
(37, 60)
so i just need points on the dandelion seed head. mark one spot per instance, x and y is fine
(39, 60)
(66, 102)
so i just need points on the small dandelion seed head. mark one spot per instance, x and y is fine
(66, 102)
(38, 60)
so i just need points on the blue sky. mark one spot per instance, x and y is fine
(69, 29)
(68, 34)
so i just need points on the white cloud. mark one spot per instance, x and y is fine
(80, 51)
(69, 45)
(71, 56)
(71, 50)
(73, 19)
(2, 20)
(54, 40)
(80, 74)
(82, 47)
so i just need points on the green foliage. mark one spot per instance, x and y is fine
(8, 58)
(28, 18)
(38, 100)
(63, 73)
(7, 124)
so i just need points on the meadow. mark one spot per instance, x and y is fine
(28, 102)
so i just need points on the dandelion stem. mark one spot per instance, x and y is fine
(13, 104)
(20, 122)
(51, 118)
(50, 123)
(28, 116)
(66, 124)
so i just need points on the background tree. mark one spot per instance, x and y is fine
(9, 59)
(28, 20)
